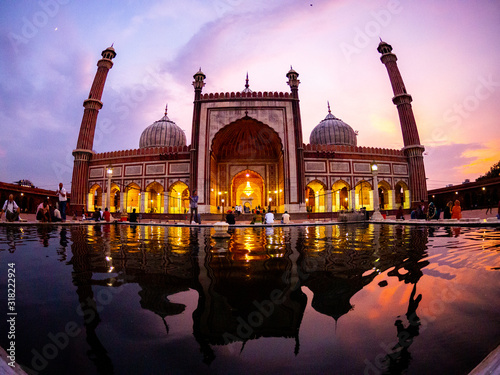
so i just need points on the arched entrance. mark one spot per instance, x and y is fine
(243, 147)
(384, 195)
(340, 192)
(133, 194)
(364, 196)
(402, 195)
(315, 196)
(94, 198)
(114, 198)
(247, 190)
(178, 198)
(154, 198)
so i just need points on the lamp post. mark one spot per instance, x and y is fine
(108, 196)
(376, 210)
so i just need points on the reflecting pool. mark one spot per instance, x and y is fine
(347, 299)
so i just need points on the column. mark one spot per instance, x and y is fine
(123, 202)
(329, 201)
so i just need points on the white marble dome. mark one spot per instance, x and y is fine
(163, 132)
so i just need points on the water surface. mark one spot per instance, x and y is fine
(350, 299)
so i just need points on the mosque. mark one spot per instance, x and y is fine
(247, 149)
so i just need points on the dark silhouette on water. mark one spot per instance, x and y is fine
(398, 361)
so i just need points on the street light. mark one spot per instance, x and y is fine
(108, 196)
(376, 210)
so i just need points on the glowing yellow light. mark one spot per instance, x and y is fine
(248, 189)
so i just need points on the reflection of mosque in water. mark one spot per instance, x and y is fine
(250, 285)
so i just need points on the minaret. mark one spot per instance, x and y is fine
(294, 82)
(412, 147)
(83, 151)
(198, 85)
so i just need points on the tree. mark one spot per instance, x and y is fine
(492, 173)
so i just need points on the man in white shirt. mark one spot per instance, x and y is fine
(57, 215)
(11, 209)
(61, 193)
(269, 217)
(285, 218)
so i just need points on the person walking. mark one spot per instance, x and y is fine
(489, 206)
(63, 198)
(193, 205)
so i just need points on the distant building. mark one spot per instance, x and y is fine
(247, 149)
(27, 197)
(472, 195)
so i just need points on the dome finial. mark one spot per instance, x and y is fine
(166, 108)
(247, 86)
(329, 111)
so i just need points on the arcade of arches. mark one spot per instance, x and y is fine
(152, 200)
(342, 197)
(250, 190)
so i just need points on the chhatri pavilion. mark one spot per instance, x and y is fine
(247, 149)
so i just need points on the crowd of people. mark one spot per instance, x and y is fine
(45, 212)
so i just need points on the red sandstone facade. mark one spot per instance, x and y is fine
(247, 150)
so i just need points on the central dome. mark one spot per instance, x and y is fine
(163, 132)
(333, 131)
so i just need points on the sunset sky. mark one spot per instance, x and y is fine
(448, 54)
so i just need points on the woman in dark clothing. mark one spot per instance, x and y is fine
(447, 210)
(400, 213)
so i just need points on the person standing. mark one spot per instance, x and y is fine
(400, 213)
(11, 209)
(193, 204)
(62, 195)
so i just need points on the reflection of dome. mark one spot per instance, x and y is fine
(333, 131)
(163, 132)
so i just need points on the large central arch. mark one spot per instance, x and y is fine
(246, 145)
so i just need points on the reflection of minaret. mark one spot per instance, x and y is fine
(82, 279)
(412, 147)
(83, 151)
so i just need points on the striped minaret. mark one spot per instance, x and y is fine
(412, 147)
(198, 84)
(83, 151)
(293, 82)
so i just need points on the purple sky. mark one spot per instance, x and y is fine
(448, 51)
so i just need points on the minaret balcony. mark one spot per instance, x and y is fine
(402, 99)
